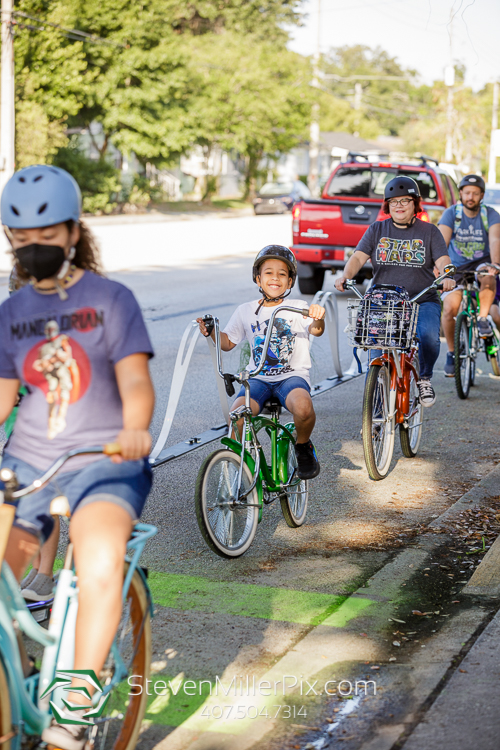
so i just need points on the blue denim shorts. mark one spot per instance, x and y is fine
(126, 484)
(261, 391)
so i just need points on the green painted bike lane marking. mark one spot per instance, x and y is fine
(247, 600)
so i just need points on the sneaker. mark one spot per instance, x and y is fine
(449, 368)
(307, 460)
(426, 392)
(29, 578)
(40, 589)
(66, 736)
(484, 328)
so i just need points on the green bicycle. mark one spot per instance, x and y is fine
(24, 708)
(235, 482)
(468, 344)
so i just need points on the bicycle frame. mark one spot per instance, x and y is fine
(30, 712)
(401, 367)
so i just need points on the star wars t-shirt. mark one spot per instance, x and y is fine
(64, 352)
(470, 242)
(288, 352)
(404, 257)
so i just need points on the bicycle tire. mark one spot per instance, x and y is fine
(118, 728)
(462, 356)
(378, 442)
(215, 483)
(495, 358)
(5, 711)
(410, 436)
(294, 499)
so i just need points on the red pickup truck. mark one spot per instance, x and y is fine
(327, 230)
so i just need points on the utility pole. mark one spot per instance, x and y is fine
(449, 79)
(358, 95)
(7, 120)
(312, 179)
(494, 139)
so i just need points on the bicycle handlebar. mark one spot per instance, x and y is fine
(448, 270)
(9, 478)
(229, 378)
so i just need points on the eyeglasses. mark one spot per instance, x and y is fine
(403, 202)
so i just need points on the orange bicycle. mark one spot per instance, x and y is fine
(391, 398)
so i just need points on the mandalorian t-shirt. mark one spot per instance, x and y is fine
(64, 352)
(404, 257)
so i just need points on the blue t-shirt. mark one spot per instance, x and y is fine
(64, 352)
(471, 239)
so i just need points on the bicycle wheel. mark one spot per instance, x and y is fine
(494, 354)
(462, 356)
(228, 529)
(294, 499)
(118, 728)
(6, 733)
(378, 427)
(410, 436)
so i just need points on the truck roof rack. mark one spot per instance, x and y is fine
(424, 159)
(355, 155)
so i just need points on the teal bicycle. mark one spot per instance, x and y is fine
(468, 344)
(24, 710)
(235, 483)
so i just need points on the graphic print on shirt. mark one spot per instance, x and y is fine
(470, 243)
(392, 252)
(280, 350)
(60, 367)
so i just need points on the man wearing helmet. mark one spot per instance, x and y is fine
(472, 234)
(287, 362)
(403, 250)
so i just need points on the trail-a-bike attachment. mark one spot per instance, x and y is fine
(468, 344)
(235, 483)
(385, 320)
(25, 709)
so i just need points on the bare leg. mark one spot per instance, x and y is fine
(495, 314)
(299, 403)
(451, 305)
(48, 552)
(488, 287)
(99, 532)
(21, 550)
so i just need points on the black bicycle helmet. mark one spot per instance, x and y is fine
(278, 252)
(474, 180)
(399, 186)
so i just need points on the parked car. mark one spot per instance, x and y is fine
(492, 197)
(279, 197)
(327, 230)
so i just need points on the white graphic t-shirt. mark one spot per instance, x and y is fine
(288, 353)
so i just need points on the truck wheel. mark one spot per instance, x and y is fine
(313, 283)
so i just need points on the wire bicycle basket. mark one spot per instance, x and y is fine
(384, 319)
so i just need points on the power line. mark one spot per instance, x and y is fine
(75, 34)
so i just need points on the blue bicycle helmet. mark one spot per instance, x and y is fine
(40, 196)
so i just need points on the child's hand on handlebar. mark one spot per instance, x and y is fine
(135, 444)
(449, 285)
(316, 312)
(203, 323)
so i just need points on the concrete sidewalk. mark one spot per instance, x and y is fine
(466, 714)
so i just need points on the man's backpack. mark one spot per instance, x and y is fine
(459, 210)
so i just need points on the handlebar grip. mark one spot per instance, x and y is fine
(228, 382)
(209, 323)
(112, 449)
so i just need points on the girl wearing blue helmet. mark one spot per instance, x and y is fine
(78, 342)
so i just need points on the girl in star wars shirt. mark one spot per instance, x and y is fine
(78, 343)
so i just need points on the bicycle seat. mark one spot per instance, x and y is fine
(271, 405)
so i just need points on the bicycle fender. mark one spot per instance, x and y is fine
(235, 446)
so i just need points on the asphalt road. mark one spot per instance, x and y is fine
(287, 604)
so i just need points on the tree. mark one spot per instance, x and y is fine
(253, 98)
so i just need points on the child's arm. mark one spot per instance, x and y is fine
(318, 325)
(225, 344)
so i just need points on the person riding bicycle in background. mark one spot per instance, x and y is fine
(287, 363)
(106, 351)
(403, 250)
(472, 234)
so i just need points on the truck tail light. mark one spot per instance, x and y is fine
(424, 216)
(296, 218)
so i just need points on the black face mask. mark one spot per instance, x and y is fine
(41, 261)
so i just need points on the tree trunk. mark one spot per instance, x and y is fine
(251, 163)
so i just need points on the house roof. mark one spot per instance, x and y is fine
(348, 141)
